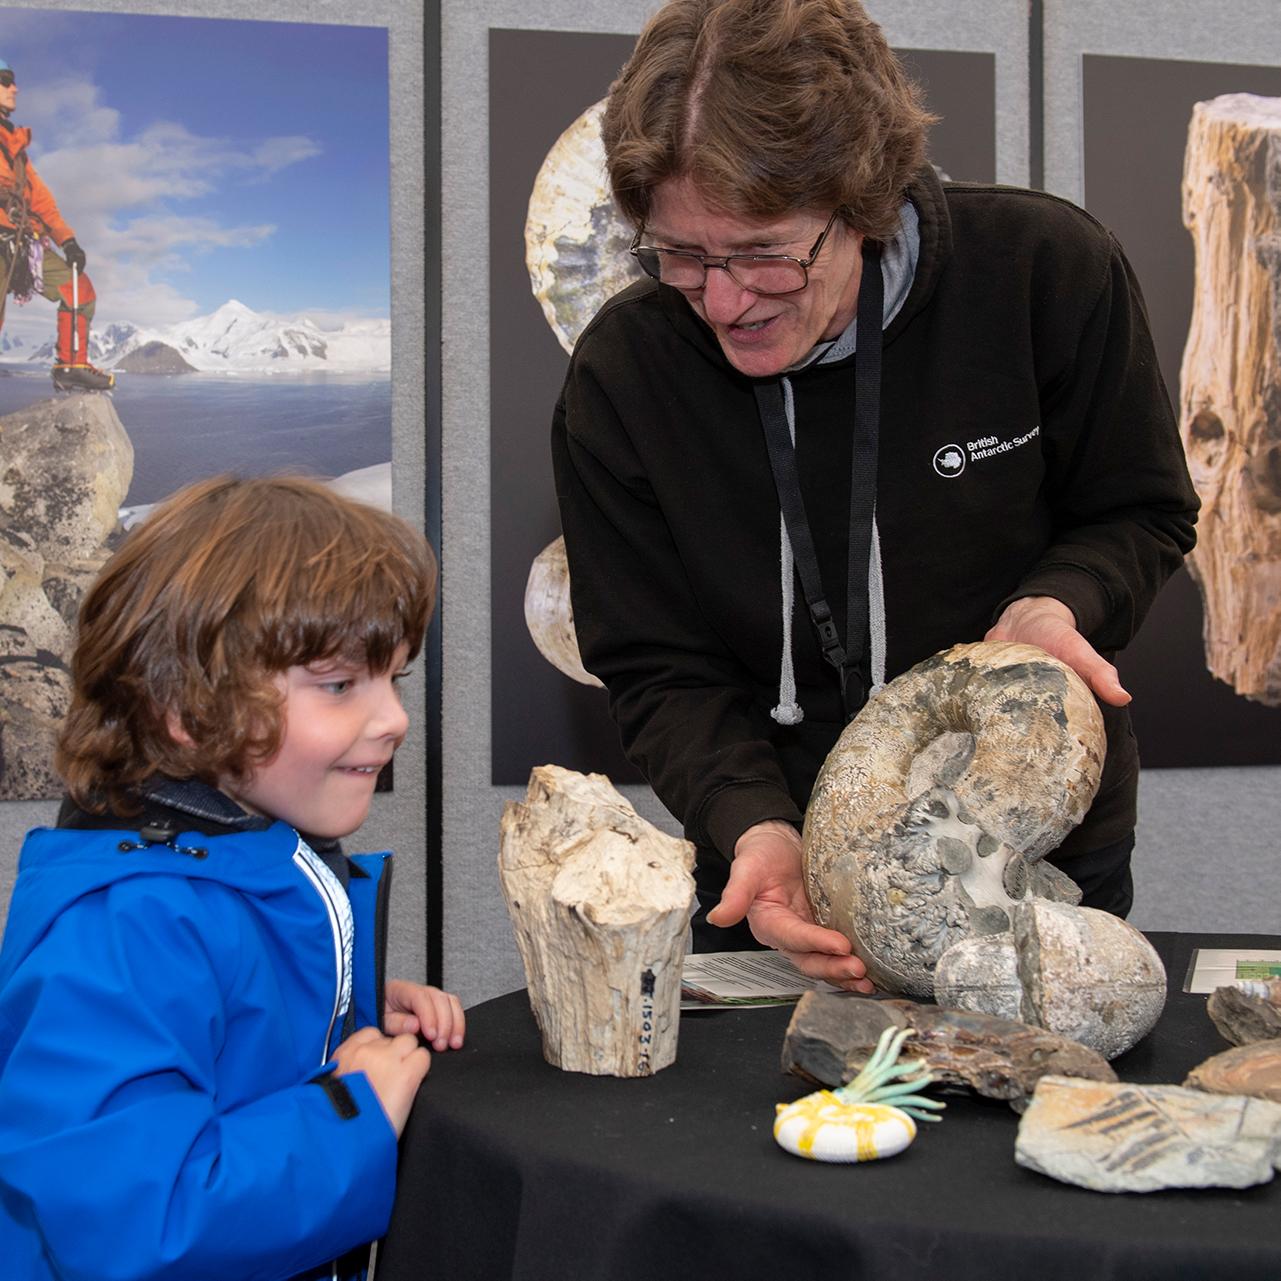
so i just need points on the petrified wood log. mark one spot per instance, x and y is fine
(599, 900)
(1230, 406)
(1253, 1069)
(1085, 974)
(831, 1036)
(930, 814)
(1140, 1138)
(549, 613)
(1242, 1018)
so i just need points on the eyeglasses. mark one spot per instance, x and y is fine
(768, 274)
(7, 79)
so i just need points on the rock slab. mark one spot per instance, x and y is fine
(1253, 1069)
(1242, 1018)
(831, 1036)
(1141, 1138)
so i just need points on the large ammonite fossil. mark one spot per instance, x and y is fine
(549, 613)
(576, 244)
(576, 240)
(931, 812)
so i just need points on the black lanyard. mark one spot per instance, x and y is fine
(848, 659)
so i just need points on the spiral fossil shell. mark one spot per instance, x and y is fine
(930, 814)
(549, 614)
(576, 240)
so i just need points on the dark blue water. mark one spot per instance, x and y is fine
(194, 425)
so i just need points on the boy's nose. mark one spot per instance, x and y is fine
(389, 719)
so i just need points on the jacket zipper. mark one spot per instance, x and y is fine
(332, 912)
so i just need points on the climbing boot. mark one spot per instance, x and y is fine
(84, 377)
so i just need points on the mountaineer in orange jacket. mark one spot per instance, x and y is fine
(30, 225)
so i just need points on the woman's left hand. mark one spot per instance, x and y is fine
(1051, 625)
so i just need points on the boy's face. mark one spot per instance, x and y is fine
(342, 725)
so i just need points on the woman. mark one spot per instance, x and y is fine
(948, 390)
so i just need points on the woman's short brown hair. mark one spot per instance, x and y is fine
(224, 586)
(770, 106)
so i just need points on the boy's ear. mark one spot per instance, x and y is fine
(173, 723)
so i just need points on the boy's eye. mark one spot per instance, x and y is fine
(336, 686)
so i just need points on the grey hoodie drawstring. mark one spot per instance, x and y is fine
(788, 711)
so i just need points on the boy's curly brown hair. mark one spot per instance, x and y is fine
(226, 585)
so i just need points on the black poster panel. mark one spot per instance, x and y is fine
(540, 82)
(1137, 112)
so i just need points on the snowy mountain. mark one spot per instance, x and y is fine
(237, 340)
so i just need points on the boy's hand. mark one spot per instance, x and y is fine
(394, 1066)
(414, 1007)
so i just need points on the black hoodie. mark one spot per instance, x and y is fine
(1027, 447)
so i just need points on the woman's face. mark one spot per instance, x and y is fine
(759, 334)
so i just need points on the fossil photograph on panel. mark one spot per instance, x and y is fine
(557, 253)
(1182, 162)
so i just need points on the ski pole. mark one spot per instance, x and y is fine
(75, 311)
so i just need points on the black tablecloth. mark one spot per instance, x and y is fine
(513, 1169)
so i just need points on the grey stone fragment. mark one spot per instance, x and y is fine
(1073, 970)
(831, 1037)
(1242, 1019)
(1133, 1138)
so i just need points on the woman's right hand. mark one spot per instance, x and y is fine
(765, 885)
(394, 1066)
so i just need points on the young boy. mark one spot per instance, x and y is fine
(188, 956)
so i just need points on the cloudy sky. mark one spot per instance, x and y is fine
(203, 159)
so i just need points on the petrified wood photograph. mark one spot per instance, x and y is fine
(555, 253)
(1231, 393)
(1177, 191)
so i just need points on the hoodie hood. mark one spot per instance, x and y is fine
(61, 865)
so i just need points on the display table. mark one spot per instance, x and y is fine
(512, 1168)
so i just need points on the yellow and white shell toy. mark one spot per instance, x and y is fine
(865, 1120)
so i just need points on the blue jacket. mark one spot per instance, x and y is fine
(165, 1011)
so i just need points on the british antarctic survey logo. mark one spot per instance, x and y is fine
(950, 460)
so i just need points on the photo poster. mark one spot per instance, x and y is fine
(540, 83)
(234, 209)
(1136, 114)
